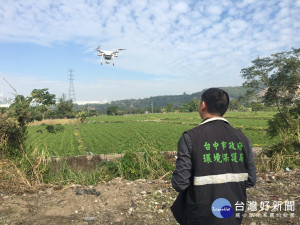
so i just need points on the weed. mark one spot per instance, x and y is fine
(66, 175)
(277, 162)
(35, 165)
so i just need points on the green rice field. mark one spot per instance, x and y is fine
(117, 134)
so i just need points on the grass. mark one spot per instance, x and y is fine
(117, 134)
(66, 175)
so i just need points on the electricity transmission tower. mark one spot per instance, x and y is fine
(71, 87)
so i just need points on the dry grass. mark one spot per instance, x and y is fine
(12, 178)
(275, 163)
(55, 121)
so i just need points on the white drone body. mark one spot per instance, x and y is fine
(109, 56)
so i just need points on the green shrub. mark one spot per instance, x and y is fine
(50, 129)
(54, 129)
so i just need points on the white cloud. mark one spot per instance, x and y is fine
(182, 39)
(215, 10)
(180, 7)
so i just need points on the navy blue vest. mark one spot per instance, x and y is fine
(219, 170)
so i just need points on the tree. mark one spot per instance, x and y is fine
(65, 108)
(82, 116)
(114, 110)
(234, 104)
(191, 106)
(13, 125)
(275, 78)
(256, 106)
(93, 113)
(276, 81)
(168, 108)
(43, 99)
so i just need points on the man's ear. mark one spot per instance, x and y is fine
(202, 106)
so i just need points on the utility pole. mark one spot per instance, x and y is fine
(71, 87)
(152, 106)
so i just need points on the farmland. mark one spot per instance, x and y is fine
(117, 134)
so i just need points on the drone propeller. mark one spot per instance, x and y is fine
(121, 49)
(98, 48)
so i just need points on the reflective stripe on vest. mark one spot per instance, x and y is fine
(220, 178)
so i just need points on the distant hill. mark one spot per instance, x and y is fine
(161, 101)
(176, 100)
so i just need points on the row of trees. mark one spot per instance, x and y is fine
(239, 104)
(24, 110)
(44, 106)
(191, 106)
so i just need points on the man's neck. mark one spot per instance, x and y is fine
(209, 115)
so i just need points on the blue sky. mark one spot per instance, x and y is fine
(171, 46)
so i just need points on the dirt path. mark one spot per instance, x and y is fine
(140, 202)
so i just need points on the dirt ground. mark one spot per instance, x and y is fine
(139, 202)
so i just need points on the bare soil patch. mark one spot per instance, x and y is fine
(131, 202)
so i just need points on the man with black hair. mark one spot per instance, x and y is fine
(215, 164)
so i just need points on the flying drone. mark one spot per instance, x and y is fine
(109, 56)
